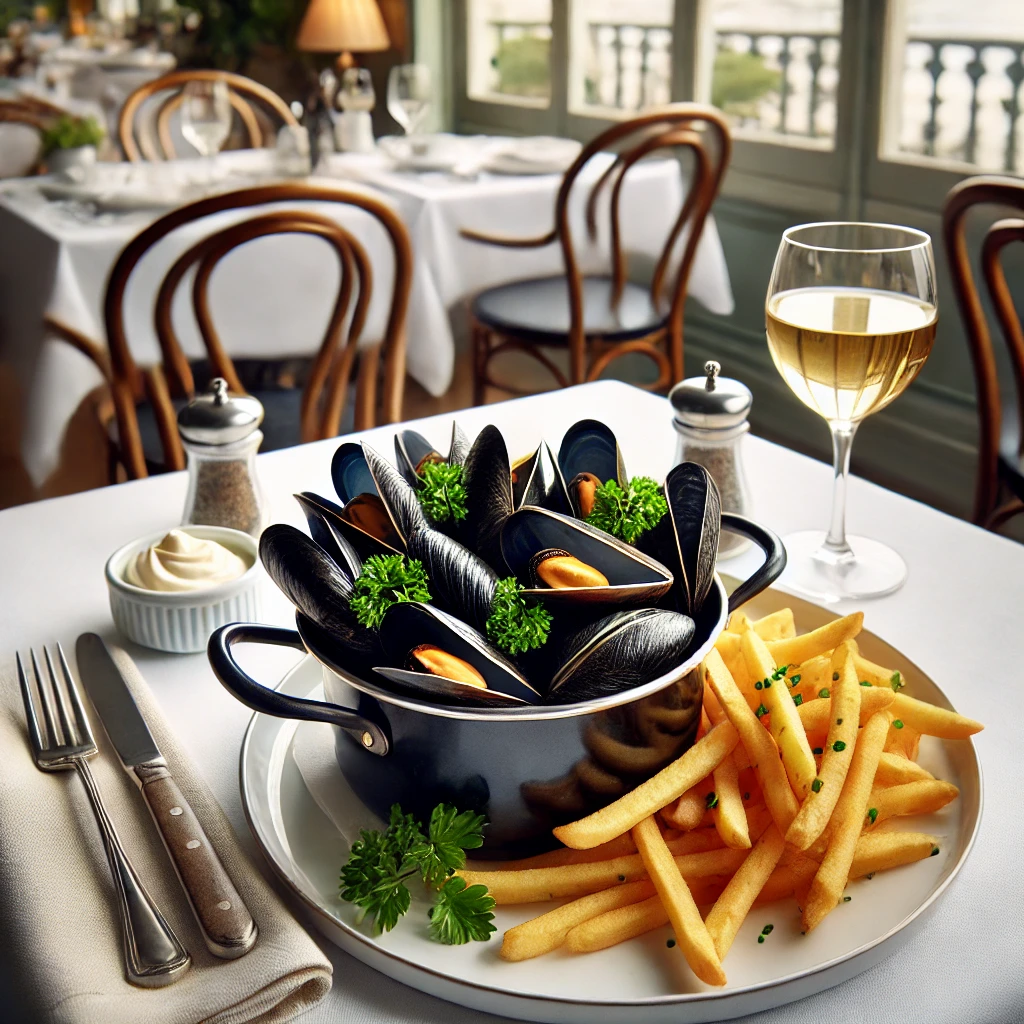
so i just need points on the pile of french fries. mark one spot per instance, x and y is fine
(805, 750)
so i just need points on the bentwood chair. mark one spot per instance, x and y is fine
(251, 101)
(999, 489)
(599, 319)
(145, 400)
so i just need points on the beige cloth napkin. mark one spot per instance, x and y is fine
(59, 934)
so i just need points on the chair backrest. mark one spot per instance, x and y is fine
(326, 388)
(21, 155)
(987, 190)
(139, 144)
(693, 126)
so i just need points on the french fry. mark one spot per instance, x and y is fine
(786, 727)
(802, 648)
(879, 851)
(778, 625)
(650, 796)
(921, 797)
(728, 646)
(844, 716)
(788, 879)
(688, 811)
(815, 714)
(757, 742)
(832, 876)
(731, 908)
(814, 676)
(691, 932)
(874, 674)
(619, 847)
(739, 622)
(894, 769)
(547, 932)
(932, 720)
(538, 885)
(902, 740)
(728, 813)
(628, 922)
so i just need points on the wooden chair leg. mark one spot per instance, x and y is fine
(366, 388)
(480, 341)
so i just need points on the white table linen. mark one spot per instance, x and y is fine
(958, 617)
(272, 299)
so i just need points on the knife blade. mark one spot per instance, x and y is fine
(227, 926)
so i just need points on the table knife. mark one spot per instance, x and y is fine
(225, 921)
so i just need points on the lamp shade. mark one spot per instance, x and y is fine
(337, 26)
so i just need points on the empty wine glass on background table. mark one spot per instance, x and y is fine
(409, 95)
(206, 118)
(851, 318)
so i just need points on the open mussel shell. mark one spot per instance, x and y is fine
(537, 480)
(633, 577)
(318, 587)
(460, 581)
(620, 652)
(589, 455)
(409, 625)
(413, 450)
(327, 527)
(350, 473)
(487, 478)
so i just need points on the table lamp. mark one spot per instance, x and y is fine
(343, 27)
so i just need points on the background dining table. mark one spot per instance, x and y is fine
(958, 617)
(272, 298)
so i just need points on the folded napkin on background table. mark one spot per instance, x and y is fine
(60, 940)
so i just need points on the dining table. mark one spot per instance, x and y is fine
(272, 298)
(957, 617)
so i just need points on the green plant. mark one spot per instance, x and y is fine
(230, 30)
(69, 132)
(739, 80)
(523, 66)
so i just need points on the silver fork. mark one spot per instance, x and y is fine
(153, 954)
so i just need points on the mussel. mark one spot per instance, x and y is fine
(487, 478)
(588, 457)
(326, 520)
(620, 652)
(562, 560)
(440, 656)
(537, 480)
(413, 451)
(320, 589)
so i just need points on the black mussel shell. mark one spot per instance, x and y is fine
(412, 450)
(398, 496)
(408, 625)
(459, 448)
(537, 480)
(350, 473)
(695, 511)
(590, 447)
(327, 527)
(633, 577)
(487, 478)
(318, 587)
(620, 652)
(460, 581)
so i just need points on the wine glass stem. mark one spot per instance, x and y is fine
(842, 443)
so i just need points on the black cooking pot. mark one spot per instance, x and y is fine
(527, 769)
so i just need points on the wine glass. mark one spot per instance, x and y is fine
(409, 95)
(851, 318)
(206, 118)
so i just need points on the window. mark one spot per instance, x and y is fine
(508, 51)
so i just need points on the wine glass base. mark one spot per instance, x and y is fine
(872, 570)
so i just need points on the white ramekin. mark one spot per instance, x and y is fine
(182, 622)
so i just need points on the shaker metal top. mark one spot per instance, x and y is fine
(711, 402)
(217, 417)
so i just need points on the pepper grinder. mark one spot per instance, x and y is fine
(711, 418)
(220, 434)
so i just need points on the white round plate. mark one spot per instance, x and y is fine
(637, 982)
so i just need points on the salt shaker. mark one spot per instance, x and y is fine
(220, 434)
(711, 418)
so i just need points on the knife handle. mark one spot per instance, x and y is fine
(225, 921)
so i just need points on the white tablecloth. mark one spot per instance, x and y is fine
(958, 617)
(273, 298)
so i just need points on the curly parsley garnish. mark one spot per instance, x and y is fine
(627, 514)
(384, 581)
(516, 624)
(441, 492)
(380, 863)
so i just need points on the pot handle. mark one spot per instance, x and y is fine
(774, 557)
(271, 702)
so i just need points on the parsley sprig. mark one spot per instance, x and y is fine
(441, 492)
(380, 863)
(516, 624)
(627, 514)
(384, 581)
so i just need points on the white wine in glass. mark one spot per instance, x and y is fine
(206, 118)
(851, 319)
(409, 95)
